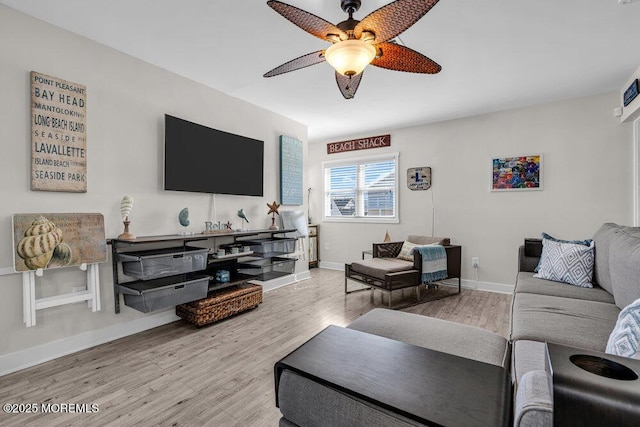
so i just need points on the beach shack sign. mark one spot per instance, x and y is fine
(359, 144)
(58, 134)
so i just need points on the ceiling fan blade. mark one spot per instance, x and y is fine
(309, 22)
(401, 58)
(392, 19)
(348, 85)
(295, 64)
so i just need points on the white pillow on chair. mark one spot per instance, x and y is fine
(406, 251)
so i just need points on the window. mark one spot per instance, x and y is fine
(362, 189)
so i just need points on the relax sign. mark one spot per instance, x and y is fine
(359, 144)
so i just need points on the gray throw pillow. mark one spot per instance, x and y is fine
(566, 262)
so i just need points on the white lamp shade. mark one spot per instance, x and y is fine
(350, 57)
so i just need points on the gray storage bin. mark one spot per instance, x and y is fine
(268, 268)
(275, 245)
(155, 294)
(147, 265)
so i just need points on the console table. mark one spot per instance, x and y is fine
(176, 269)
(423, 385)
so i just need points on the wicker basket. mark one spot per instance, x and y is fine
(221, 304)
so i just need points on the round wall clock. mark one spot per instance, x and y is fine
(419, 178)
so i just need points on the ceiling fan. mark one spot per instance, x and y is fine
(355, 44)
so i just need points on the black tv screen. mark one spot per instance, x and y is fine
(200, 159)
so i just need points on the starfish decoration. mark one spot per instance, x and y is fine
(273, 208)
(228, 225)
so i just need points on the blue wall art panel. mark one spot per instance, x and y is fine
(290, 171)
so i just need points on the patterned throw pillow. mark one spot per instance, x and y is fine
(586, 242)
(625, 337)
(406, 251)
(548, 237)
(566, 262)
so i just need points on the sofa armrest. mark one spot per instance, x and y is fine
(526, 263)
(533, 402)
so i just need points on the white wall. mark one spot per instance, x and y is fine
(587, 181)
(126, 103)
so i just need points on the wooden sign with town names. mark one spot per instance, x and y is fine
(58, 134)
(359, 144)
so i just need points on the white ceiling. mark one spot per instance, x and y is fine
(495, 54)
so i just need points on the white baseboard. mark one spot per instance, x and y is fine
(272, 284)
(482, 286)
(29, 357)
(303, 276)
(331, 265)
(5, 271)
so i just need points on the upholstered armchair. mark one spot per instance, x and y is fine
(389, 269)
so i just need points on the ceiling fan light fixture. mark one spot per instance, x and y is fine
(358, 43)
(350, 57)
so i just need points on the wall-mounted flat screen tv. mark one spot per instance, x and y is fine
(205, 160)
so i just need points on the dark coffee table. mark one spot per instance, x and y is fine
(424, 385)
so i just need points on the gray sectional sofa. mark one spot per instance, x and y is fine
(542, 311)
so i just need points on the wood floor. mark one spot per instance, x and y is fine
(219, 375)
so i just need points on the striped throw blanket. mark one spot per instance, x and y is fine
(434, 262)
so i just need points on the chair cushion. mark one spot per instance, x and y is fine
(526, 283)
(568, 321)
(436, 334)
(378, 267)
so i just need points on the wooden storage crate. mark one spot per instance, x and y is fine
(221, 304)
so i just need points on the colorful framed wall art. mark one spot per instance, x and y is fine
(516, 173)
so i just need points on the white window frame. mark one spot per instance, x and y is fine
(361, 161)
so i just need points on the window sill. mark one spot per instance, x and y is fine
(363, 220)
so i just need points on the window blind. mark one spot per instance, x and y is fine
(362, 188)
